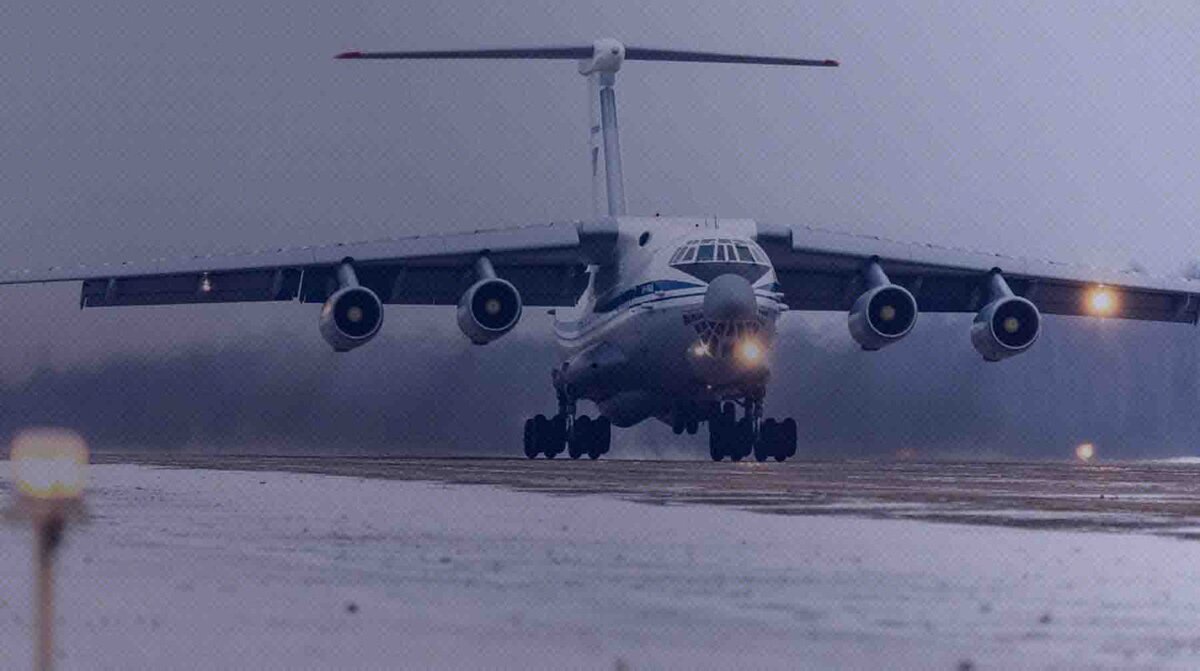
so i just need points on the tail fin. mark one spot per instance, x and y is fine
(599, 62)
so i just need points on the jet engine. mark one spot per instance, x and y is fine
(488, 310)
(882, 316)
(1005, 327)
(351, 317)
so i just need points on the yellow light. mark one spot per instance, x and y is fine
(887, 313)
(1102, 301)
(1011, 325)
(354, 314)
(49, 464)
(750, 351)
(1085, 452)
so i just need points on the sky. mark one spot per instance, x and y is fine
(134, 129)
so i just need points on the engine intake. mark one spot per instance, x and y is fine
(883, 315)
(1006, 327)
(488, 310)
(351, 317)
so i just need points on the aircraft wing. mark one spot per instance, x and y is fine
(822, 270)
(546, 263)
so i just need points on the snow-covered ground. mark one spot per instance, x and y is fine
(217, 570)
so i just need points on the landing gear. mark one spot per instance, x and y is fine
(592, 437)
(545, 436)
(776, 440)
(736, 438)
(576, 435)
(729, 436)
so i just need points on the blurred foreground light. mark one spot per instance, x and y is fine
(49, 464)
(1102, 301)
(1085, 452)
(49, 470)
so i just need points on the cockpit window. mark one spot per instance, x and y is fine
(714, 256)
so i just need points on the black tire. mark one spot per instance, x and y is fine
(716, 439)
(531, 450)
(766, 445)
(579, 443)
(543, 439)
(788, 438)
(601, 437)
(692, 427)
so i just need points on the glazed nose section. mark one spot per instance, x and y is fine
(730, 298)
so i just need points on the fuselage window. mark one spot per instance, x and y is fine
(720, 252)
(706, 253)
(678, 255)
(689, 255)
(744, 254)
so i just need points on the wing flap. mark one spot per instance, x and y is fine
(209, 287)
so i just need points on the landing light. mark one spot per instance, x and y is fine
(355, 314)
(1102, 301)
(492, 306)
(700, 349)
(749, 351)
(887, 313)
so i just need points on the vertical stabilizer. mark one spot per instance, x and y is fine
(604, 135)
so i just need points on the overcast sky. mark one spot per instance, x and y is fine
(135, 128)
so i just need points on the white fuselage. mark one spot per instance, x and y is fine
(639, 342)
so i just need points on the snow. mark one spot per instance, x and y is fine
(210, 569)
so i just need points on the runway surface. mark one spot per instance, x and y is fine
(1151, 497)
(497, 563)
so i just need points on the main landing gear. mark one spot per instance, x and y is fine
(737, 439)
(577, 435)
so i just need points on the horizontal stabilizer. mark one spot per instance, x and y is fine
(586, 52)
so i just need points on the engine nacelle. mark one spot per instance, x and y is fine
(488, 310)
(351, 317)
(882, 316)
(1006, 327)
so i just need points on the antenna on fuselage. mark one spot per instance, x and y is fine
(600, 63)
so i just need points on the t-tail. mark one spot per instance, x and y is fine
(599, 62)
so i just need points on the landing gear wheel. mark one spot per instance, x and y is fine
(601, 438)
(765, 446)
(741, 439)
(692, 427)
(531, 449)
(724, 433)
(788, 439)
(581, 437)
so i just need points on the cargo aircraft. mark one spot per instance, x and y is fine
(666, 317)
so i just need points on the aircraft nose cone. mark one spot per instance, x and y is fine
(730, 298)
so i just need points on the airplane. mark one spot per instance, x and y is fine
(672, 318)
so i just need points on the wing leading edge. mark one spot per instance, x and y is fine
(822, 270)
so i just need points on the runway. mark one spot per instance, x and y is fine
(381, 563)
(1151, 497)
